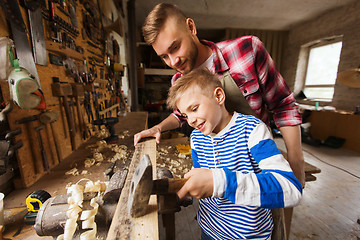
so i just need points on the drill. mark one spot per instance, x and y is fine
(109, 124)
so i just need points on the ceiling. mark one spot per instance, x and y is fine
(253, 14)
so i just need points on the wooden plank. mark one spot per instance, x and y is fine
(157, 71)
(109, 109)
(309, 168)
(123, 226)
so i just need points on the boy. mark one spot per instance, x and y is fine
(238, 173)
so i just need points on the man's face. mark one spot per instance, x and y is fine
(176, 47)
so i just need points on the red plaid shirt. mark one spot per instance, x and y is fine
(255, 74)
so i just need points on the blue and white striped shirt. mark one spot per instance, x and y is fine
(250, 177)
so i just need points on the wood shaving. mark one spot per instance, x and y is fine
(181, 155)
(124, 134)
(76, 211)
(184, 149)
(98, 157)
(103, 133)
(74, 171)
(88, 221)
(89, 162)
(170, 158)
(75, 201)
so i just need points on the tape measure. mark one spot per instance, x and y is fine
(35, 199)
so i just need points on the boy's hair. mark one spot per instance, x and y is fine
(201, 77)
(156, 19)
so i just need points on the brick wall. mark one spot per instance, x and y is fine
(341, 21)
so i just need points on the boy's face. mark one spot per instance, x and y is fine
(202, 112)
(176, 47)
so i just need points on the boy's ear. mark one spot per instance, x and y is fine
(219, 94)
(191, 26)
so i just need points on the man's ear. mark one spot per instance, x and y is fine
(190, 24)
(219, 94)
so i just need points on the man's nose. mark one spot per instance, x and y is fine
(173, 60)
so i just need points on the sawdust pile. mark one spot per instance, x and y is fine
(101, 152)
(176, 161)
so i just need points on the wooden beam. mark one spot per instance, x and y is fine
(123, 226)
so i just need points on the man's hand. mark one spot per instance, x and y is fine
(152, 132)
(169, 123)
(199, 184)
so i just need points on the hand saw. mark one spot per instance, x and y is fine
(19, 32)
(37, 30)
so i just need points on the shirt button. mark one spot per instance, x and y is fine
(245, 91)
(218, 161)
(217, 153)
(216, 143)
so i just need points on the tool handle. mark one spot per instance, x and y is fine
(175, 184)
(70, 121)
(45, 160)
(57, 143)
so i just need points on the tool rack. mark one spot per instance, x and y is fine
(103, 87)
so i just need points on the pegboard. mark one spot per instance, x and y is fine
(86, 57)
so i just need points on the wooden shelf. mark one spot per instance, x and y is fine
(109, 109)
(58, 48)
(159, 71)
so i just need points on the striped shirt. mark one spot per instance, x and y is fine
(255, 73)
(250, 177)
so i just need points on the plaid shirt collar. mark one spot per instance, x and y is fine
(220, 63)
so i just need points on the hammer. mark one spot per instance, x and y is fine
(50, 117)
(43, 153)
(28, 122)
(77, 92)
(63, 91)
(143, 185)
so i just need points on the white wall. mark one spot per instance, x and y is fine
(342, 21)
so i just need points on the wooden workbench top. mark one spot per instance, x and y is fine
(55, 181)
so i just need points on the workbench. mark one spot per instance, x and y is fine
(146, 227)
(55, 181)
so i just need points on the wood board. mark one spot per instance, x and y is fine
(123, 226)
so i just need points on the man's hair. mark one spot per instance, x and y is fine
(201, 77)
(156, 19)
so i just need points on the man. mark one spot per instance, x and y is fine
(245, 60)
(248, 74)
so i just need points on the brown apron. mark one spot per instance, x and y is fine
(234, 99)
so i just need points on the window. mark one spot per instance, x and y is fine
(322, 67)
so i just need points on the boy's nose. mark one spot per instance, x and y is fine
(191, 120)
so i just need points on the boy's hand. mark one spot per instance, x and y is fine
(199, 183)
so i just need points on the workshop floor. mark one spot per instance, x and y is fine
(330, 207)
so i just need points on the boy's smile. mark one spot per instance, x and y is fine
(203, 112)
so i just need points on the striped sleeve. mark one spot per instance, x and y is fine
(274, 187)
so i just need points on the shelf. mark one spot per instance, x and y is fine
(58, 48)
(117, 105)
(159, 71)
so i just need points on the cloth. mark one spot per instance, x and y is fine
(250, 175)
(234, 101)
(255, 74)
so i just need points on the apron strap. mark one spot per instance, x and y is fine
(235, 100)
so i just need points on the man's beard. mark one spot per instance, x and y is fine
(193, 55)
